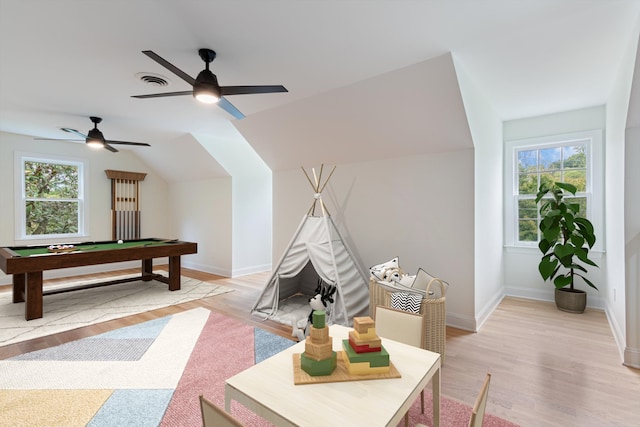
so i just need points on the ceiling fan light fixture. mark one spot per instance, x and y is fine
(206, 88)
(95, 139)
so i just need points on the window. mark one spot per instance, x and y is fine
(52, 201)
(575, 159)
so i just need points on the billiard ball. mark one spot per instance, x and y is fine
(120, 242)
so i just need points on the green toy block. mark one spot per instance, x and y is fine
(319, 317)
(318, 367)
(375, 358)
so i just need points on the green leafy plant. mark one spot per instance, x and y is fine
(566, 237)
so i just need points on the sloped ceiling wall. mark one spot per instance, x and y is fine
(413, 110)
(182, 159)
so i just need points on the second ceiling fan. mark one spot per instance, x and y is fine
(205, 86)
(95, 138)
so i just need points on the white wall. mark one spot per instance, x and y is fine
(251, 202)
(153, 193)
(486, 129)
(200, 211)
(419, 208)
(617, 107)
(632, 247)
(521, 276)
(631, 345)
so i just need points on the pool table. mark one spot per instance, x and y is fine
(27, 263)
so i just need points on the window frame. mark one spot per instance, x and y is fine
(594, 192)
(20, 159)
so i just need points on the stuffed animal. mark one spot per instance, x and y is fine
(320, 301)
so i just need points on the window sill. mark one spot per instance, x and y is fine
(594, 253)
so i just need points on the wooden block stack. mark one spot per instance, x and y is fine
(318, 357)
(363, 351)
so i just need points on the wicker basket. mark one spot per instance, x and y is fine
(432, 310)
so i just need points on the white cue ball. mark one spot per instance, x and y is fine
(120, 242)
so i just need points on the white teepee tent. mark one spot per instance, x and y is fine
(316, 251)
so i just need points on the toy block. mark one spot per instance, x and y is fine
(363, 336)
(364, 348)
(363, 324)
(375, 359)
(373, 342)
(363, 368)
(319, 335)
(318, 351)
(318, 367)
(319, 319)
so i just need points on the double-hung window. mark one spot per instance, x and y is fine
(51, 203)
(574, 158)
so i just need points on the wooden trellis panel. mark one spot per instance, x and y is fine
(125, 204)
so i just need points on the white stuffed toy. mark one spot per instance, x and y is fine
(320, 301)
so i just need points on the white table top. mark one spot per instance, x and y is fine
(268, 389)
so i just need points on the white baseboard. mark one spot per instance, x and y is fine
(251, 270)
(489, 308)
(460, 321)
(207, 269)
(225, 271)
(631, 357)
(616, 330)
(548, 295)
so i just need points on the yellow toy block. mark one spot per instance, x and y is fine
(374, 342)
(363, 336)
(363, 368)
(363, 324)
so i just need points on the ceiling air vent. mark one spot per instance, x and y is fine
(153, 79)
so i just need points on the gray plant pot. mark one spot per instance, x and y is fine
(571, 301)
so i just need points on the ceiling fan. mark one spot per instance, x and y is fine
(205, 87)
(95, 138)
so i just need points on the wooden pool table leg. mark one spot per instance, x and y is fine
(33, 296)
(18, 287)
(174, 273)
(147, 269)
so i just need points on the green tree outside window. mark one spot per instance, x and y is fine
(546, 166)
(52, 198)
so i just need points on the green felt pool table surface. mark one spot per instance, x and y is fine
(26, 251)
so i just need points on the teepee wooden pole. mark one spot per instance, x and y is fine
(315, 196)
(308, 179)
(318, 187)
(319, 178)
(327, 180)
(312, 209)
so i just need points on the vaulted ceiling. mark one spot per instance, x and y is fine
(364, 77)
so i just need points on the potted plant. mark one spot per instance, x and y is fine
(565, 242)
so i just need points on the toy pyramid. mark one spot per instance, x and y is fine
(363, 351)
(318, 357)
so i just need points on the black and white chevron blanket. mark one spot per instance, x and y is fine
(406, 301)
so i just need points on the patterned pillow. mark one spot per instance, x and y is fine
(378, 271)
(406, 301)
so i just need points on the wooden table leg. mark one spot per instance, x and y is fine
(18, 287)
(174, 273)
(33, 296)
(147, 269)
(435, 382)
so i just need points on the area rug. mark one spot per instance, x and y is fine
(66, 311)
(151, 374)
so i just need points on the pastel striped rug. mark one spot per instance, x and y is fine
(151, 374)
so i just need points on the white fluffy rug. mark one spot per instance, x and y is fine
(66, 311)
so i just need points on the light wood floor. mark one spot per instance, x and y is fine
(548, 368)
